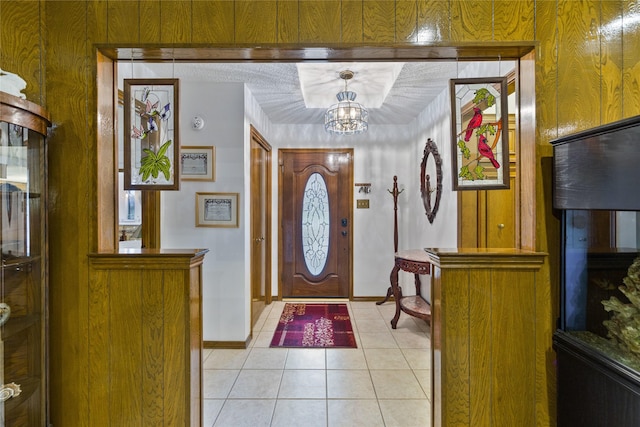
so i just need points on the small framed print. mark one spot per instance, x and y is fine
(217, 210)
(197, 163)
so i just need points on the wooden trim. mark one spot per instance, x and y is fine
(107, 163)
(151, 212)
(227, 344)
(255, 135)
(367, 299)
(24, 113)
(526, 152)
(467, 51)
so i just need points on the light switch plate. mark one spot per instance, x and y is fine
(362, 204)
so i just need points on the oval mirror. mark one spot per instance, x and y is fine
(427, 170)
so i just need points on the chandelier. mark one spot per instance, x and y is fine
(347, 117)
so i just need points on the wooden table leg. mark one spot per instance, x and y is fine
(418, 284)
(397, 294)
(389, 293)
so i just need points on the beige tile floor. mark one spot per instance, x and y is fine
(384, 382)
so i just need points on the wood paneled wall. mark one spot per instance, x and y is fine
(587, 72)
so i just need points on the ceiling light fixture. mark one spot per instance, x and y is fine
(347, 117)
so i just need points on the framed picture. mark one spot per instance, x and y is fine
(217, 210)
(480, 146)
(151, 134)
(197, 163)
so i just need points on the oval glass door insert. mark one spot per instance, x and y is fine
(315, 224)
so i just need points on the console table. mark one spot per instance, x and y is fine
(414, 261)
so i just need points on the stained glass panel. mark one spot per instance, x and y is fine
(315, 224)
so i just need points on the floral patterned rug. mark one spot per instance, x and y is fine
(314, 325)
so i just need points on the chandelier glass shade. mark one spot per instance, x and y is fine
(347, 117)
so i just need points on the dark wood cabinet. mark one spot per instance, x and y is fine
(23, 278)
(598, 372)
(593, 389)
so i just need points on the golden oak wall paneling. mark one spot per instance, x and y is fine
(96, 17)
(149, 22)
(378, 17)
(255, 21)
(288, 21)
(406, 21)
(21, 45)
(213, 22)
(351, 21)
(546, 74)
(631, 54)
(578, 66)
(479, 304)
(319, 21)
(175, 21)
(71, 193)
(611, 57)
(472, 21)
(433, 21)
(518, 360)
(513, 20)
(124, 23)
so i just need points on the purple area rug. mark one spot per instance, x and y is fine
(314, 326)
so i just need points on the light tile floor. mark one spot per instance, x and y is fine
(384, 382)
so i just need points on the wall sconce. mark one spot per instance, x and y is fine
(364, 187)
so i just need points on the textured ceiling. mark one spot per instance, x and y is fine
(410, 87)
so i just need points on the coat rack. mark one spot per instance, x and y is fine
(395, 193)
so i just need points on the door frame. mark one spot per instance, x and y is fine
(350, 151)
(256, 136)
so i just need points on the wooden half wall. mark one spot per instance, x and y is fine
(145, 338)
(487, 358)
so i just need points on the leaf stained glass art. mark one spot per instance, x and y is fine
(151, 134)
(479, 128)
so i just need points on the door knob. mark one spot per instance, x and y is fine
(500, 226)
(344, 233)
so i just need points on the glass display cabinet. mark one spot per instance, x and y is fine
(596, 176)
(23, 246)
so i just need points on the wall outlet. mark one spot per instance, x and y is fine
(362, 204)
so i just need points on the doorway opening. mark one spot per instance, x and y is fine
(108, 58)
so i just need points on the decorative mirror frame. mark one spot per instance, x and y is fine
(425, 180)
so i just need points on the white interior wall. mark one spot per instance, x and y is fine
(224, 287)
